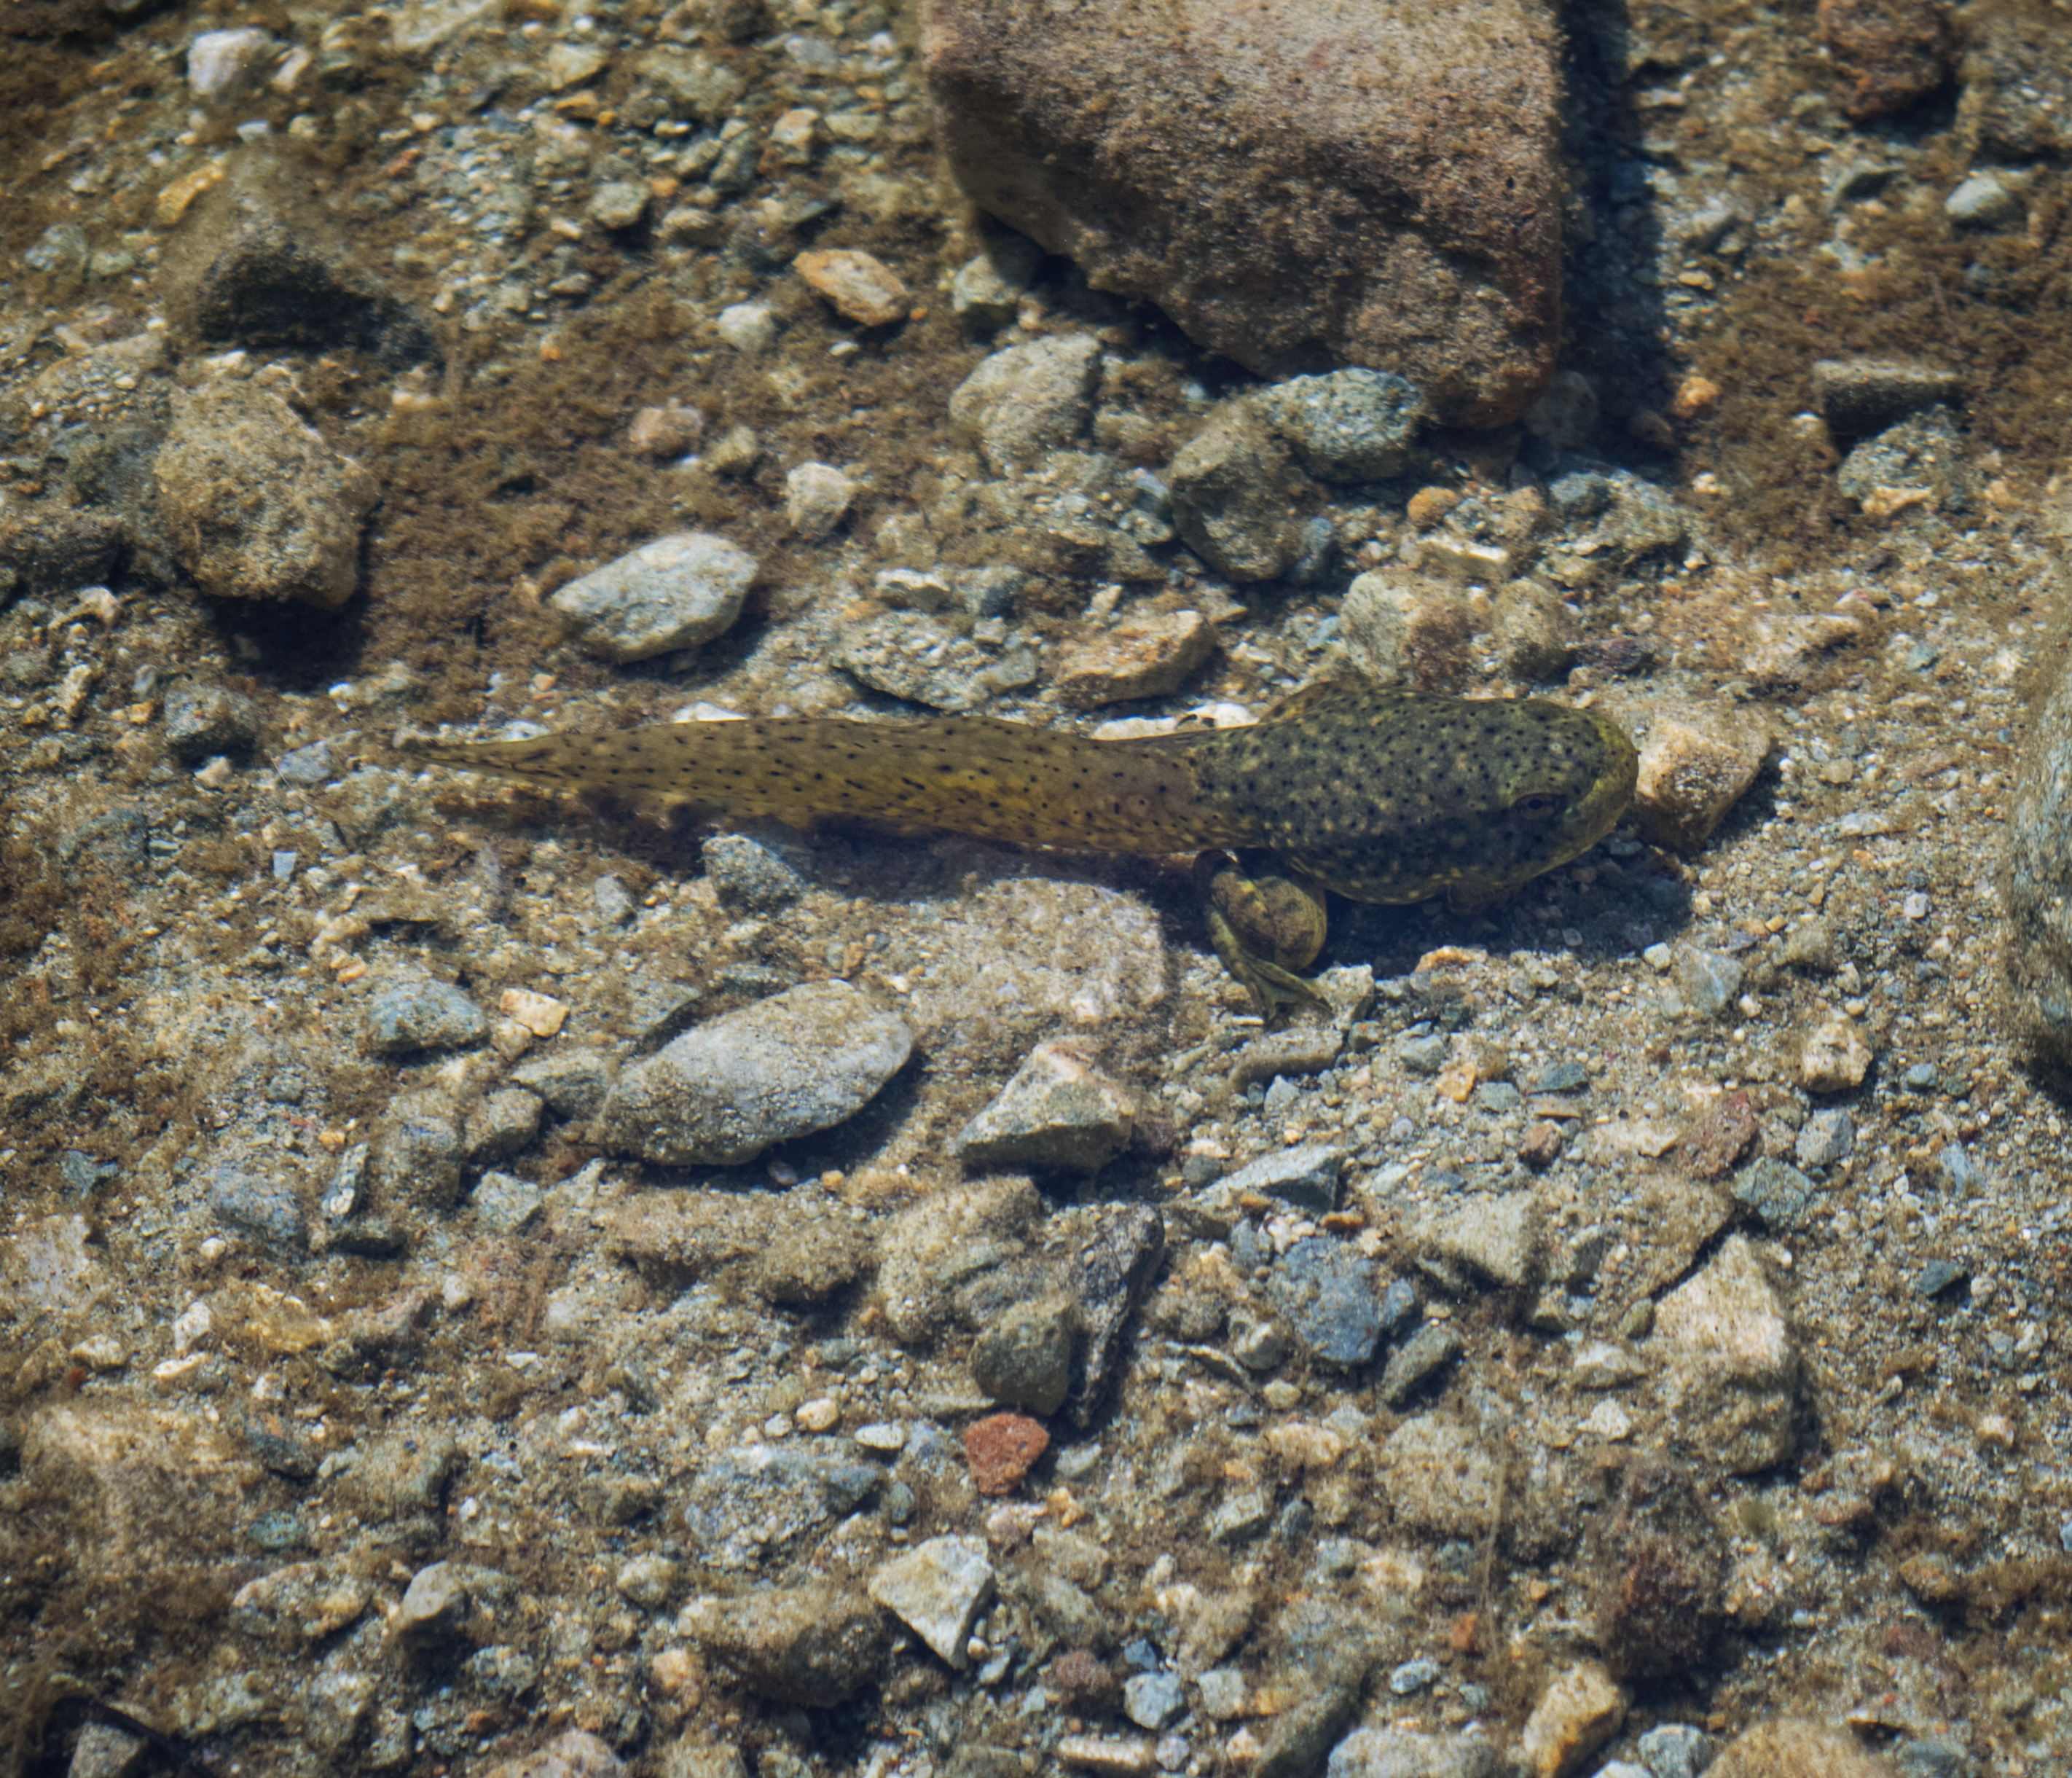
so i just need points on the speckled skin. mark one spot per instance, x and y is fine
(1383, 795)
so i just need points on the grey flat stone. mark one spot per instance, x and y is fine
(799, 1061)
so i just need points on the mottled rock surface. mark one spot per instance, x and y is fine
(674, 593)
(797, 1062)
(1156, 147)
(255, 504)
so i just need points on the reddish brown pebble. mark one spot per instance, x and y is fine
(1002, 1448)
(1083, 1684)
(1542, 1146)
(1895, 51)
(1719, 1137)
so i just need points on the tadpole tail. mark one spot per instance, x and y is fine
(966, 774)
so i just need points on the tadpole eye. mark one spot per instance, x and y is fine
(1538, 803)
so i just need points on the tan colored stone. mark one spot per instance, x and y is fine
(1576, 1715)
(1405, 630)
(1834, 1057)
(1160, 143)
(540, 1014)
(1695, 766)
(666, 431)
(1733, 1382)
(255, 504)
(1795, 1749)
(1148, 657)
(1731, 1313)
(859, 287)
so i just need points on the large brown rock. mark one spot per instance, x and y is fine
(1299, 184)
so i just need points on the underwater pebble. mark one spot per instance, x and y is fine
(722, 1093)
(937, 1591)
(1029, 399)
(405, 1017)
(674, 593)
(1058, 1110)
(816, 496)
(858, 286)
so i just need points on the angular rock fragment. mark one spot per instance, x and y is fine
(1025, 1358)
(1695, 766)
(937, 1590)
(1164, 149)
(1734, 1360)
(1327, 1292)
(1576, 1714)
(1663, 1568)
(1119, 1247)
(1060, 1110)
(271, 279)
(1407, 631)
(1230, 486)
(856, 285)
(1893, 52)
(1147, 658)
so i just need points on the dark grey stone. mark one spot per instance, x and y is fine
(1936, 1277)
(1326, 1290)
(1119, 1248)
(573, 1081)
(746, 874)
(1306, 1177)
(505, 1203)
(416, 1157)
(503, 1124)
(1824, 1138)
(201, 720)
(1025, 1358)
(1422, 1054)
(1580, 495)
(1420, 1358)
(83, 1174)
(1859, 395)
